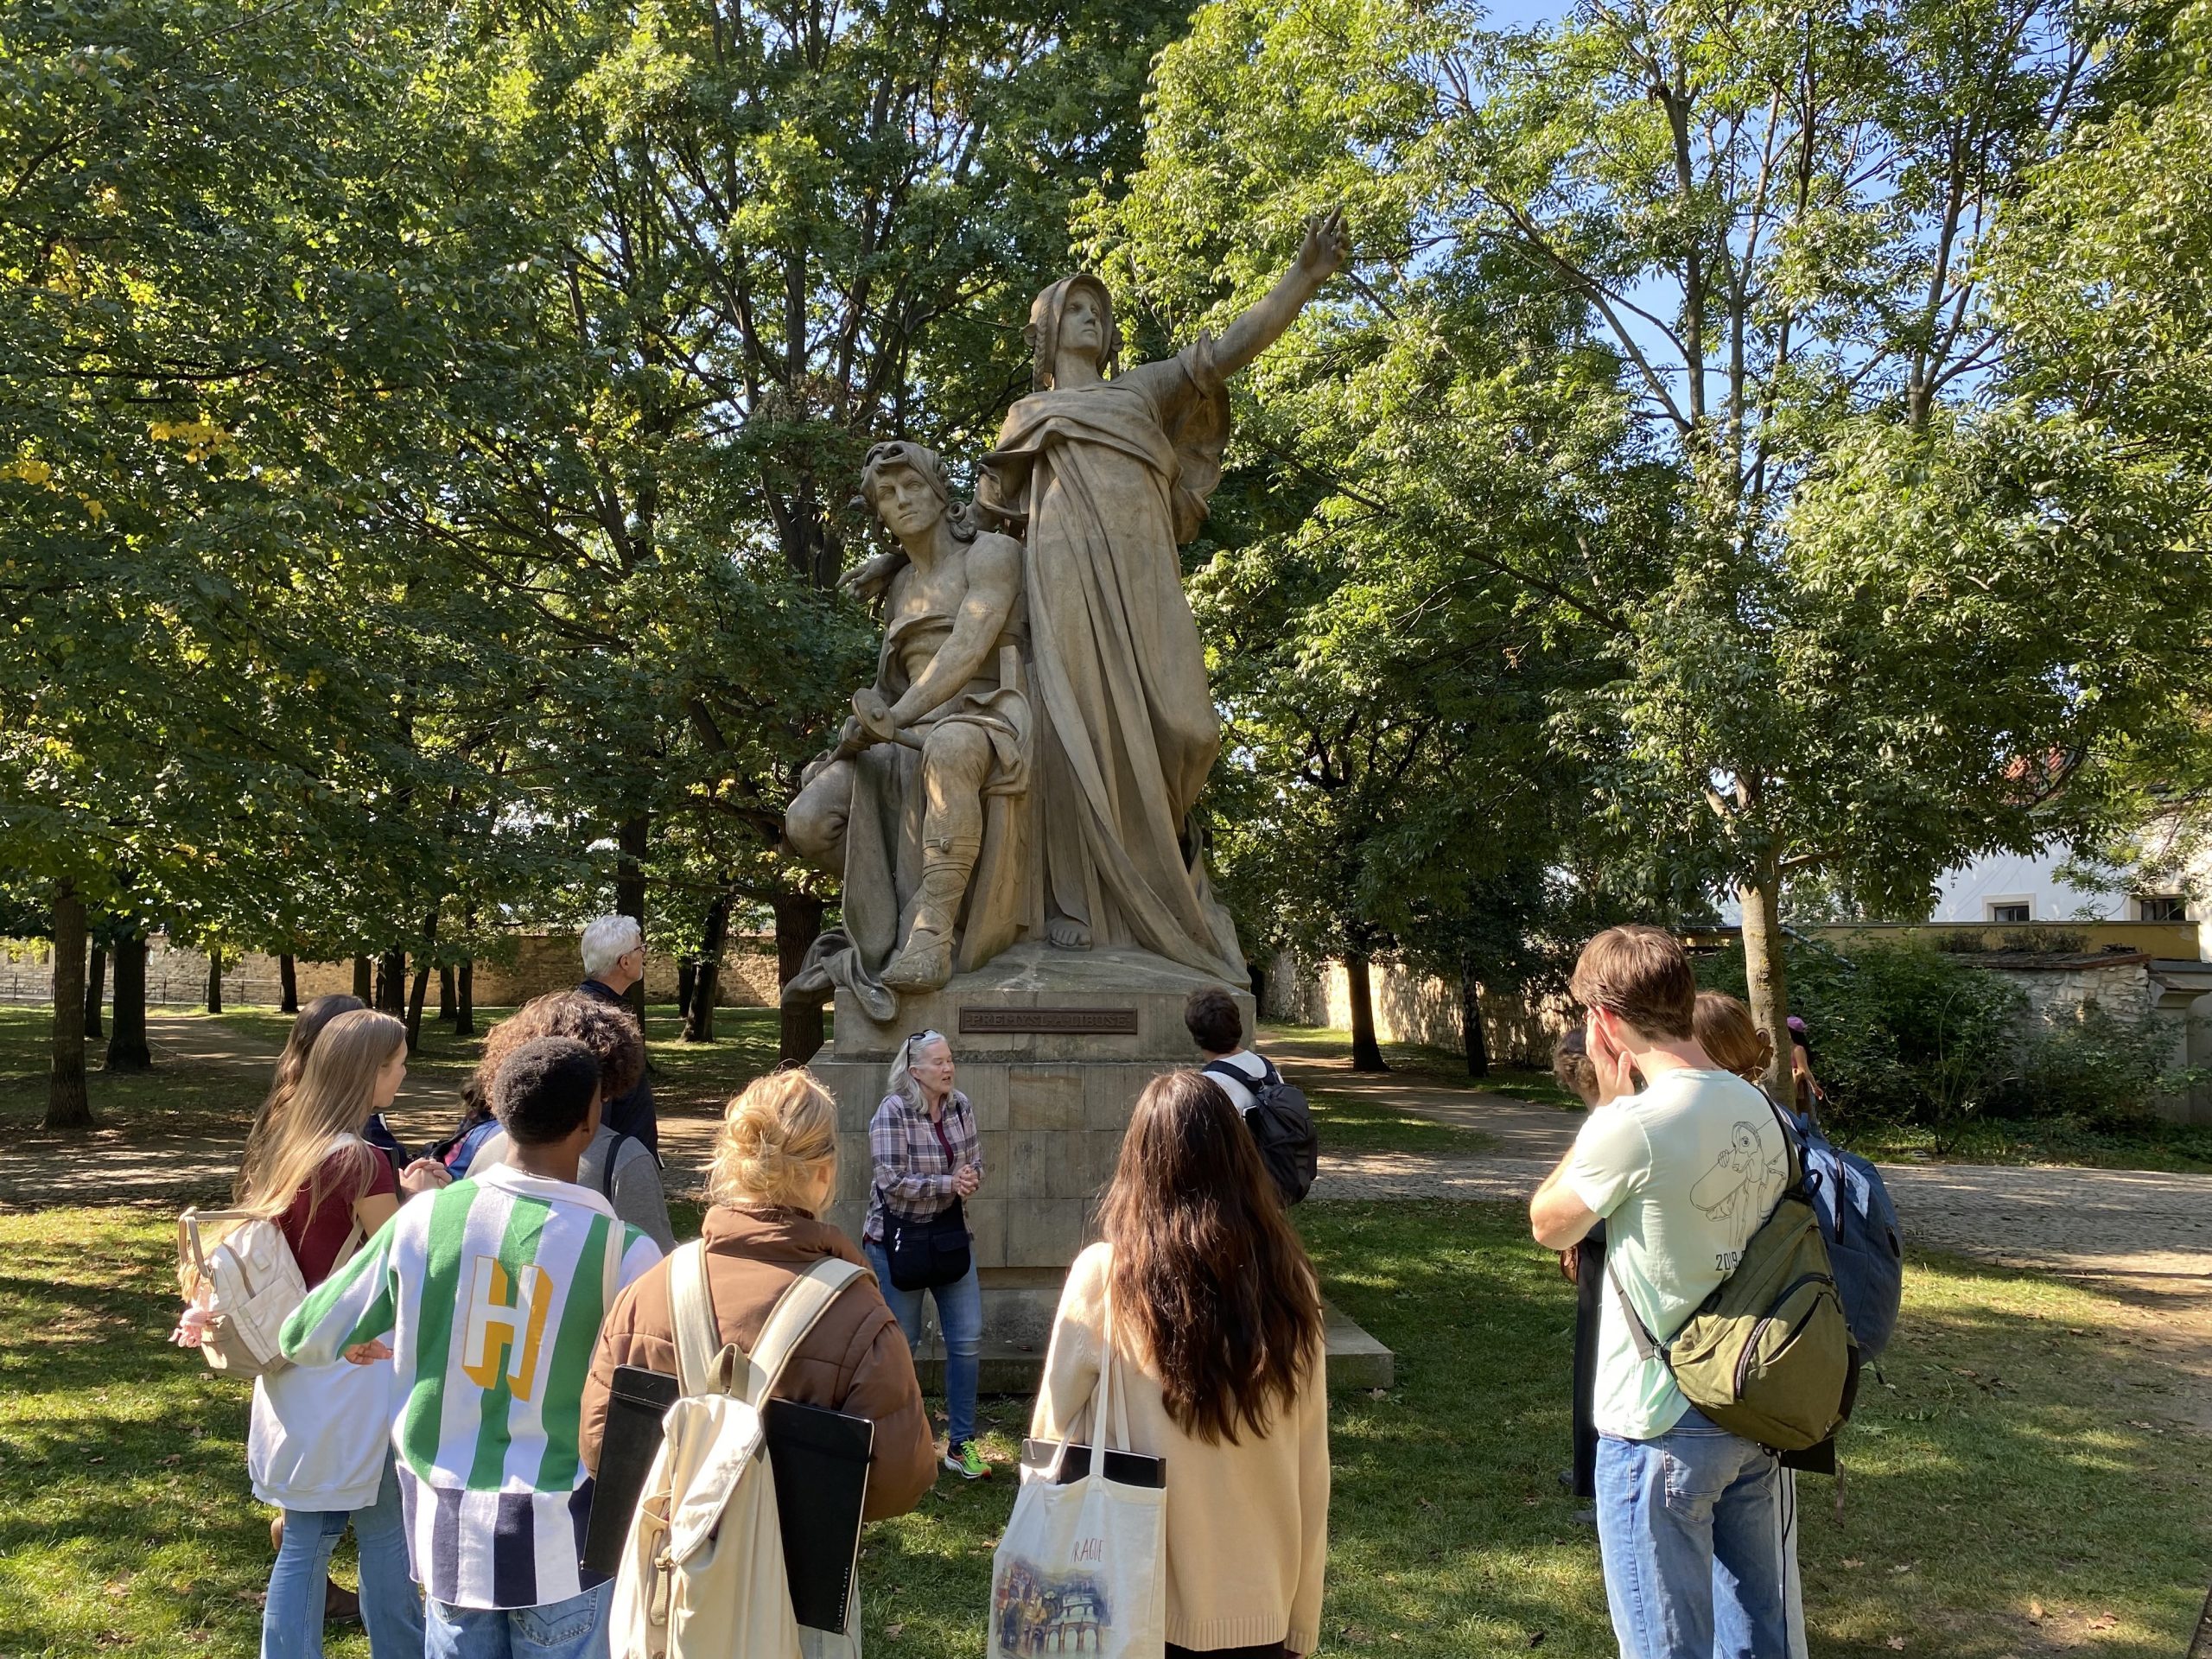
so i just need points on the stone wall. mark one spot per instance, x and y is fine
(535, 963)
(1411, 1007)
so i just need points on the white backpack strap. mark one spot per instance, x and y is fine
(797, 1312)
(698, 1338)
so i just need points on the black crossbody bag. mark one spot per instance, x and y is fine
(926, 1254)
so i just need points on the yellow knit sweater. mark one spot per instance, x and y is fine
(1246, 1525)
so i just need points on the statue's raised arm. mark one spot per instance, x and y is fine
(1110, 472)
(1325, 249)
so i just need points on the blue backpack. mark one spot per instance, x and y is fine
(1865, 1246)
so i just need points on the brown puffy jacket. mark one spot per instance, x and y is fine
(854, 1360)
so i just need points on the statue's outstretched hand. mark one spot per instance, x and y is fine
(1327, 245)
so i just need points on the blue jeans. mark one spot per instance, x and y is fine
(391, 1608)
(959, 1318)
(1690, 1527)
(574, 1628)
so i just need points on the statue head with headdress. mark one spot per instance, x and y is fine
(1074, 315)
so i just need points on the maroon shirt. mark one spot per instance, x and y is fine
(322, 1212)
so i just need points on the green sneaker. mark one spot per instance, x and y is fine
(966, 1460)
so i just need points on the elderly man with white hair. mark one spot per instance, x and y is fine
(614, 961)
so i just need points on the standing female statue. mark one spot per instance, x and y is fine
(1111, 470)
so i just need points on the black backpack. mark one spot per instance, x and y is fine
(1282, 1125)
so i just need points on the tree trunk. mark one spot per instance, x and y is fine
(126, 1035)
(445, 993)
(464, 998)
(1765, 980)
(706, 983)
(632, 840)
(687, 975)
(67, 1105)
(799, 924)
(1366, 1053)
(214, 981)
(415, 999)
(422, 981)
(288, 983)
(95, 988)
(1471, 1023)
(391, 983)
(362, 989)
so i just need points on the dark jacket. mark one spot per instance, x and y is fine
(630, 1114)
(855, 1360)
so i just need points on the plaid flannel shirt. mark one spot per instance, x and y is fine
(913, 1177)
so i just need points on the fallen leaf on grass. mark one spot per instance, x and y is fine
(2034, 1611)
(172, 1458)
(1897, 1641)
(2104, 1621)
(895, 1632)
(1847, 1561)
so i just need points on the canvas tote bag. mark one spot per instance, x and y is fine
(1082, 1566)
(703, 1574)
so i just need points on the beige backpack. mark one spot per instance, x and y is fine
(702, 1573)
(238, 1271)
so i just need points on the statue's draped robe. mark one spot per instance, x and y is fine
(1112, 477)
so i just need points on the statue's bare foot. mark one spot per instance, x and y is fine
(925, 965)
(1068, 933)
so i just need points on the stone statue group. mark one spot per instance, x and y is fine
(1024, 765)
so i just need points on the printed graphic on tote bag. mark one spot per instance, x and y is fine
(1037, 1616)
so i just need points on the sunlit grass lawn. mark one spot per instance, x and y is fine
(2018, 1460)
(1416, 1062)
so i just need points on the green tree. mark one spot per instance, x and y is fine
(1733, 250)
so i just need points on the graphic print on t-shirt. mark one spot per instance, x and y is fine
(1732, 1193)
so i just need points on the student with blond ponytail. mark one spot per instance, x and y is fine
(318, 1448)
(775, 1167)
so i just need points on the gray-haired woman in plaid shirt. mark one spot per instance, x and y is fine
(928, 1158)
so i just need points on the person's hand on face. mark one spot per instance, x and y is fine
(1616, 1071)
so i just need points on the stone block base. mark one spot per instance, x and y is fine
(1052, 1048)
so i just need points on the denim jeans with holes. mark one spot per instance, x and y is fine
(1690, 1526)
(574, 1628)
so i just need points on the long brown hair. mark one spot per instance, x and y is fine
(1209, 1280)
(335, 1096)
(1732, 1039)
(293, 1061)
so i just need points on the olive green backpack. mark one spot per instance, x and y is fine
(1769, 1354)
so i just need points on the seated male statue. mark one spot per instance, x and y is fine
(934, 758)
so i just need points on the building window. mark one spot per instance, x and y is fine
(2162, 907)
(2011, 910)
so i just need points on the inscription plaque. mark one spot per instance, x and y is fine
(1060, 1022)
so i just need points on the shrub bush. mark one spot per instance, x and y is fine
(1918, 1033)
(1900, 1032)
(2099, 1066)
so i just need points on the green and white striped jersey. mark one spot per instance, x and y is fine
(491, 1291)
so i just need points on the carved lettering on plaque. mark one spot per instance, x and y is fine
(1058, 1022)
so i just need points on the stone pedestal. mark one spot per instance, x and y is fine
(1053, 1048)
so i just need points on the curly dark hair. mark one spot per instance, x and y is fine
(603, 1028)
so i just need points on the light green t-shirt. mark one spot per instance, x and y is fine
(1684, 1173)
